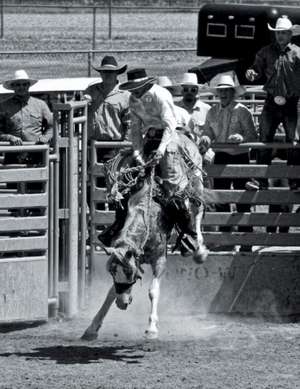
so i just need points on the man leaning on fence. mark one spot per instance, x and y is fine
(279, 64)
(108, 110)
(23, 117)
(229, 122)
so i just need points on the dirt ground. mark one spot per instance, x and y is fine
(193, 351)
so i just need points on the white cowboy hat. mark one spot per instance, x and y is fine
(282, 24)
(225, 81)
(20, 75)
(137, 78)
(189, 79)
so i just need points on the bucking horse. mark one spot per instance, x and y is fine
(143, 240)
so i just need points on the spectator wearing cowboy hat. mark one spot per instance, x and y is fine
(154, 134)
(197, 111)
(191, 102)
(278, 64)
(229, 122)
(108, 110)
(109, 106)
(23, 117)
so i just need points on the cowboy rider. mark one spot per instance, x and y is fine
(153, 131)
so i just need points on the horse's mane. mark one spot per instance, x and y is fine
(144, 218)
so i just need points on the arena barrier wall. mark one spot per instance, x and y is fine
(24, 195)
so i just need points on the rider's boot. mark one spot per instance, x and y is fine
(108, 235)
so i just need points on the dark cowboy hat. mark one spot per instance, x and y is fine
(136, 79)
(109, 64)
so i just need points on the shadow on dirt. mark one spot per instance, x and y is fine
(81, 354)
(11, 327)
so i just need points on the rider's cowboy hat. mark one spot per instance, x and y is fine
(20, 75)
(226, 81)
(137, 78)
(109, 64)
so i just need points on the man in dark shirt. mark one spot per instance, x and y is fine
(279, 63)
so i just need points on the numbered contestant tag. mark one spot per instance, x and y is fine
(280, 100)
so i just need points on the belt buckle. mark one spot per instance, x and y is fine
(279, 100)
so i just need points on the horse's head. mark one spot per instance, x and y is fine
(125, 271)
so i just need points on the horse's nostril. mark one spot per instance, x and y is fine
(121, 305)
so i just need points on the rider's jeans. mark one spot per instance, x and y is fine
(181, 156)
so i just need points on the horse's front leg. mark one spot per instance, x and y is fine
(154, 292)
(91, 332)
(201, 253)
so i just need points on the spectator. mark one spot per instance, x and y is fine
(23, 117)
(108, 111)
(193, 105)
(229, 122)
(197, 111)
(279, 64)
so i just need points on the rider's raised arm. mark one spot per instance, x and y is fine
(168, 117)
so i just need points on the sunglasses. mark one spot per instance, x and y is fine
(192, 89)
(17, 84)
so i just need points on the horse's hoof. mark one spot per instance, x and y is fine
(89, 336)
(200, 255)
(151, 334)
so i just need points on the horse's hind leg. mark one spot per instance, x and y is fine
(154, 292)
(91, 332)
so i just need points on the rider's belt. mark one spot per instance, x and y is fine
(156, 133)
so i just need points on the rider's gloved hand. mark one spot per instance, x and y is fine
(139, 160)
(204, 144)
(157, 156)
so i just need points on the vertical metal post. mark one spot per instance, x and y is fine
(2, 19)
(94, 31)
(90, 54)
(93, 153)
(109, 19)
(72, 254)
(55, 209)
(83, 208)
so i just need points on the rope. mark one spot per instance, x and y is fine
(148, 210)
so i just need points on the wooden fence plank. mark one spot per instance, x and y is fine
(275, 196)
(256, 171)
(23, 243)
(251, 219)
(23, 223)
(254, 239)
(23, 200)
(24, 175)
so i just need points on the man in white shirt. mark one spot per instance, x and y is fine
(191, 102)
(153, 130)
